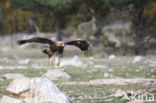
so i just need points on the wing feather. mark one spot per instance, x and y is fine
(82, 44)
(36, 40)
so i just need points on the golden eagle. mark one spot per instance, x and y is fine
(56, 47)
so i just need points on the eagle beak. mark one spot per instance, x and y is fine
(62, 44)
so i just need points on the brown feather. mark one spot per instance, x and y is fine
(82, 44)
(36, 40)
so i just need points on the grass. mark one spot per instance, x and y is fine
(120, 67)
(96, 91)
(26, 72)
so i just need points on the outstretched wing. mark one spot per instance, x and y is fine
(82, 44)
(36, 40)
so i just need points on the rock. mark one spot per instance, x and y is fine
(121, 81)
(100, 66)
(136, 102)
(115, 81)
(136, 92)
(7, 99)
(13, 75)
(26, 61)
(19, 85)
(112, 57)
(108, 75)
(119, 93)
(1, 80)
(56, 74)
(34, 90)
(153, 64)
(139, 59)
(130, 95)
(152, 90)
(5, 49)
(74, 62)
(36, 66)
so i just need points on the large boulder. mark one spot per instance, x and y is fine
(56, 74)
(34, 90)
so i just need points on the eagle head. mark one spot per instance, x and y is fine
(60, 43)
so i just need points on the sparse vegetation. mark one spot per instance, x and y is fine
(123, 67)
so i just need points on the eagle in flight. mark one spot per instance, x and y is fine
(56, 47)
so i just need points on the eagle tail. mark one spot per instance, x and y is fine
(45, 51)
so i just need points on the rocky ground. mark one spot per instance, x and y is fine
(85, 79)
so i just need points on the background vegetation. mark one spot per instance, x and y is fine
(23, 16)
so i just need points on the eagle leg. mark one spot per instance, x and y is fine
(51, 61)
(57, 61)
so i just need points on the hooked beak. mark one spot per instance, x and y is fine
(62, 44)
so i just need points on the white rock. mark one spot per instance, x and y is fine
(35, 90)
(91, 58)
(13, 75)
(7, 99)
(26, 61)
(108, 75)
(112, 57)
(119, 93)
(15, 57)
(74, 62)
(153, 64)
(47, 91)
(36, 66)
(100, 66)
(19, 85)
(1, 80)
(1, 67)
(56, 74)
(91, 63)
(6, 59)
(139, 59)
(5, 49)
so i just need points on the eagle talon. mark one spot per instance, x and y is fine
(51, 63)
(58, 63)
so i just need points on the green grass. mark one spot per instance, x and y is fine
(96, 91)
(120, 66)
(27, 72)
